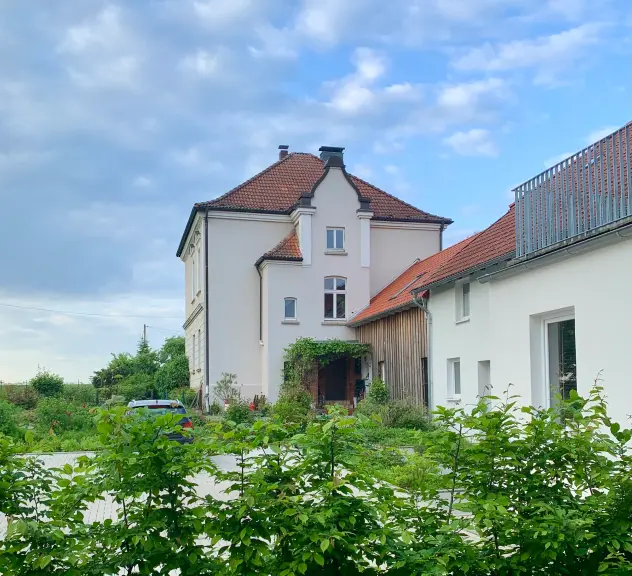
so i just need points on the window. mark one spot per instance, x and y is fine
(484, 379)
(200, 270)
(335, 239)
(335, 298)
(193, 279)
(560, 360)
(290, 308)
(381, 374)
(199, 342)
(193, 353)
(466, 300)
(462, 294)
(454, 378)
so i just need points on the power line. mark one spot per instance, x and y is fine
(171, 330)
(88, 313)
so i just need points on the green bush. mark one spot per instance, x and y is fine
(215, 409)
(293, 408)
(59, 415)
(10, 419)
(21, 395)
(136, 387)
(239, 412)
(189, 395)
(114, 400)
(378, 392)
(397, 414)
(80, 394)
(46, 383)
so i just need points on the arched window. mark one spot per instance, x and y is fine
(335, 298)
(290, 308)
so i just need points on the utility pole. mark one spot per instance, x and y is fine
(145, 333)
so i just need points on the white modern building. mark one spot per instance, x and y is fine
(542, 299)
(293, 252)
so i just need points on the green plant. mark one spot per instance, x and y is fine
(239, 412)
(173, 372)
(115, 400)
(186, 395)
(294, 409)
(397, 414)
(21, 395)
(136, 387)
(215, 409)
(80, 394)
(225, 389)
(10, 419)
(378, 392)
(46, 383)
(58, 415)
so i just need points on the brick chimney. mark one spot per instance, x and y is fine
(327, 152)
(283, 151)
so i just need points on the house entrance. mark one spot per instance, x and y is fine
(333, 382)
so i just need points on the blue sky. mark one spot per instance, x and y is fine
(116, 116)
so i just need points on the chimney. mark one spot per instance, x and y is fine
(283, 151)
(327, 152)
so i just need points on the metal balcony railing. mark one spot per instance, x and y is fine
(587, 191)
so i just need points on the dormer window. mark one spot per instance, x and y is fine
(335, 239)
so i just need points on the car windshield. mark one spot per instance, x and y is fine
(161, 410)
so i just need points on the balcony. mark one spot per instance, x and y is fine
(580, 196)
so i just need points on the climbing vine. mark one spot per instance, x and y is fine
(301, 357)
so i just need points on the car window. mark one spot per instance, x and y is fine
(162, 410)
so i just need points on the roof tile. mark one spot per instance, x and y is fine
(288, 249)
(278, 188)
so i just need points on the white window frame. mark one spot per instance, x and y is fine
(335, 248)
(290, 318)
(546, 321)
(452, 391)
(193, 353)
(193, 279)
(335, 292)
(200, 270)
(459, 294)
(199, 355)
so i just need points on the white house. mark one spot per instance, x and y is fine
(542, 299)
(293, 252)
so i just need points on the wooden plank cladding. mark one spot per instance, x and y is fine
(400, 342)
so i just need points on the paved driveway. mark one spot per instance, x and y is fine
(104, 509)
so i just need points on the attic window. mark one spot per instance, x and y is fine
(407, 286)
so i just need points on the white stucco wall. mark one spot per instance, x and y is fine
(394, 248)
(234, 247)
(506, 321)
(336, 203)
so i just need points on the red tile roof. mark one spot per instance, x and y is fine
(288, 249)
(397, 296)
(494, 244)
(278, 189)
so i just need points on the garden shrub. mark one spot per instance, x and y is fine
(114, 400)
(294, 408)
(59, 415)
(136, 387)
(189, 394)
(225, 389)
(46, 383)
(215, 409)
(378, 392)
(10, 419)
(21, 395)
(239, 412)
(80, 394)
(397, 414)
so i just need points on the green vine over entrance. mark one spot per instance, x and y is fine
(301, 359)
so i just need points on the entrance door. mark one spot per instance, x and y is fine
(332, 381)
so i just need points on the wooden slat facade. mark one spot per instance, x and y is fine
(400, 342)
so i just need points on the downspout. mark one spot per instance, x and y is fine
(260, 304)
(423, 304)
(207, 356)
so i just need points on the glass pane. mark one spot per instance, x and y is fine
(457, 377)
(329, 305)
(466, 300)
(340, 305)
(329, 283)
(341, 284)
(340, 239)
(290, 308)
(562, 359)
(330, 240)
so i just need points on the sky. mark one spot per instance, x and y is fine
(115, 117)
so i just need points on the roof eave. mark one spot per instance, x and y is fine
(390, 312)
(187, 229)
(276, 259)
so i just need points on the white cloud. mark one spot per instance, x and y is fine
(552, 55)
(599, 134)
(553, 160)
(363, 171)
(120, 72)
(221, 13)
(142, 181)
(104, 31)
(475, 142)
(201, 63)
